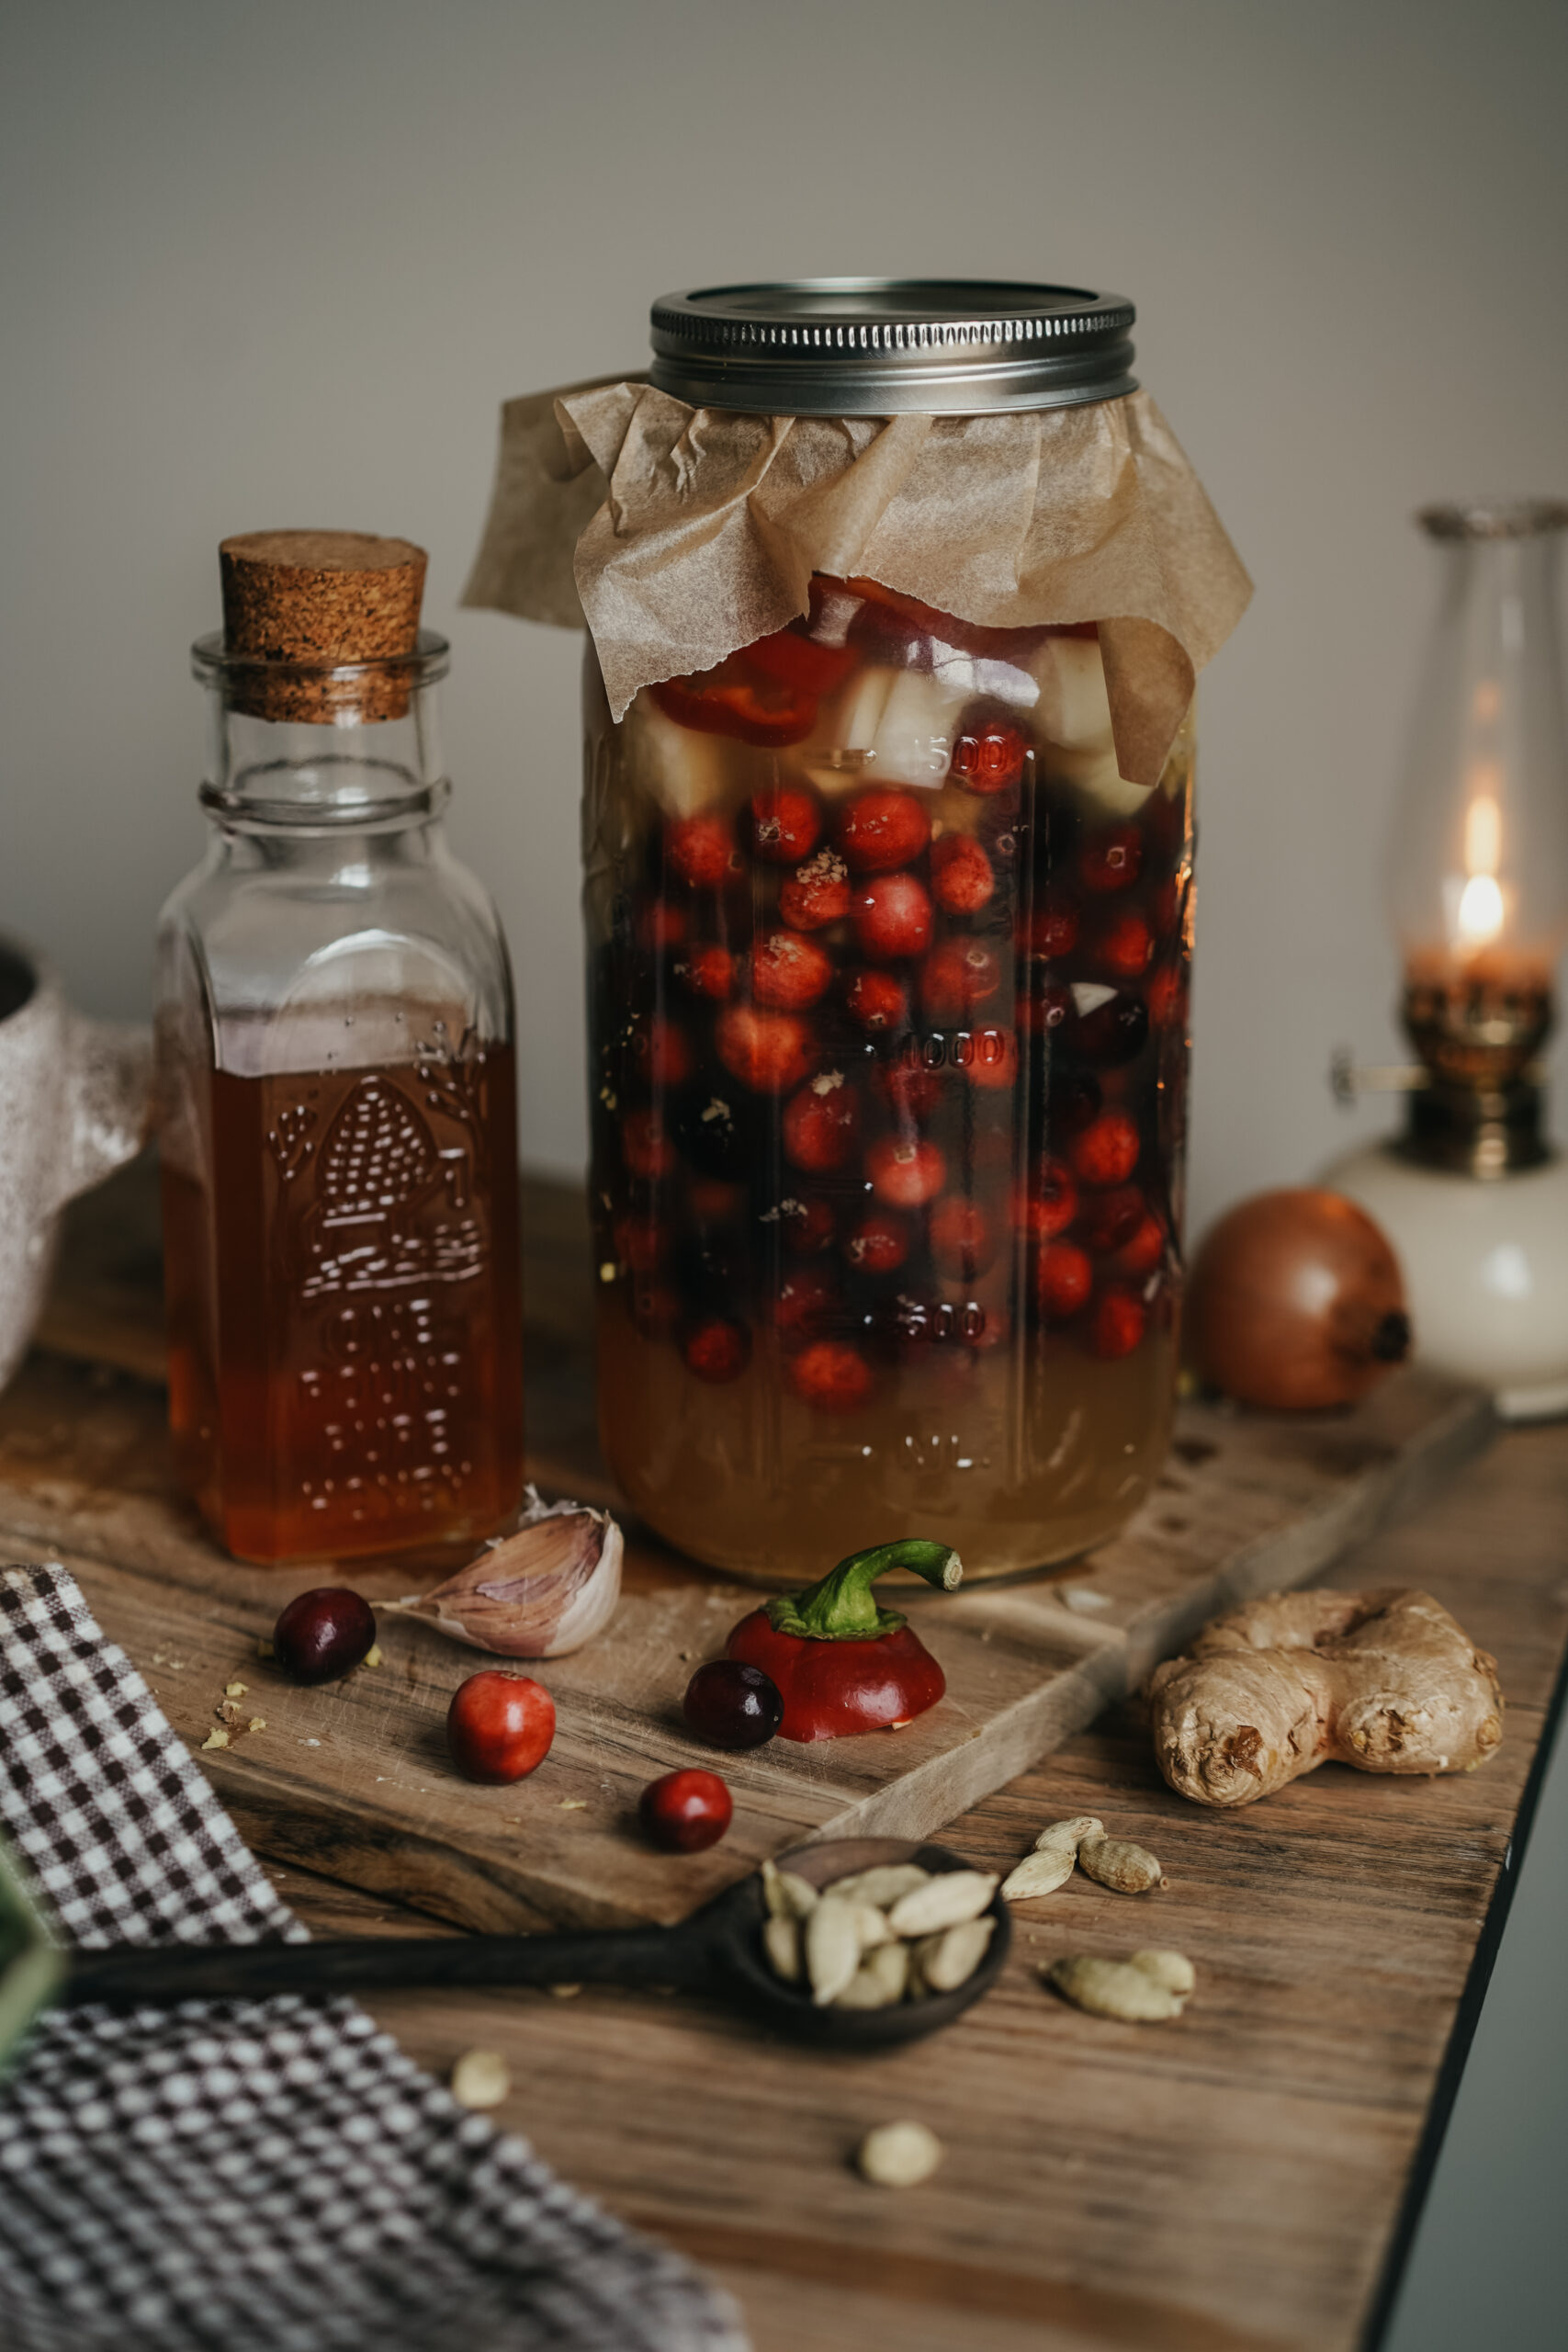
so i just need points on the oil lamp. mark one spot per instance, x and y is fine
(1472, 1194)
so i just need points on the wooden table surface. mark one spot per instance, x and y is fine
(1246, 2177)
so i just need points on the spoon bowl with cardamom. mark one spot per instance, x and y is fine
(824, 1984)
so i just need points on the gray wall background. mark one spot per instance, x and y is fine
(271, 266)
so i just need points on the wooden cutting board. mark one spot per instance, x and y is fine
(353, 1780)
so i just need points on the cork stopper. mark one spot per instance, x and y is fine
(314, 602)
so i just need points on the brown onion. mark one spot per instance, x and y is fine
(1296, 1303)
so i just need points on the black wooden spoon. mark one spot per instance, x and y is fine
(719, 1950)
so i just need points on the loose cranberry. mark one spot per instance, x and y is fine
(656, 1310)
(1168, 998)
(875, 1000)
(700, 850)
(817, 895)
(646, 1148)
(820, 1126)
(1052, 930)
(660, 1052)
(769, 1052)
(1107, 1151)
(962, 880)
(686, 1812)
(1122, 950)
(878, 1244)
(1111, 860)
(785, 824)
(892, 918)
(1050, 1203)
(910, 1091)
(718, 1350)
(1063, 1281)
(707, 971)
(641, 1243)
(732, 1705)
(661, 925)
(1138, 1256)
(1117, 1324)
(1048, 1008)
(831, 1376)
(499, 1727)
(994, 1063)
(959, 974)
(809, 1226)
(963, 1240)
(789, 972)
(905, 1173)
(989, 753)
(881, 829)
(1116, 1032)
(804, 1301)
(1109, 1219)
(321, 1633)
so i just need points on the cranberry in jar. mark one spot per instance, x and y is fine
(916, 1166)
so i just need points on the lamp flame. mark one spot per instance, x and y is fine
(1480, 913)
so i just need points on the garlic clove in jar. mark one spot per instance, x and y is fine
(539, 1593)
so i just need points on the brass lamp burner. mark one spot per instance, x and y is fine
(1479, 1110)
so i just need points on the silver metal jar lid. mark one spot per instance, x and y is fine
(884, 346)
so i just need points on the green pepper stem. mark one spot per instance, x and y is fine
(843, 1607)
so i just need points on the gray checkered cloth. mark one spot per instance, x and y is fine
(270, 2174)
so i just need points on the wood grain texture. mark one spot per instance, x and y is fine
(353, 1778)
(1233, 2180)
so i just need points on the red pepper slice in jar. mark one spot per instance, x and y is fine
(731, 699)
(842, 1664)
(798, 661)
(766, 694)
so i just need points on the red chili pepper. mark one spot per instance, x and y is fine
(735, 698)
(841, 1663)
(799, 662)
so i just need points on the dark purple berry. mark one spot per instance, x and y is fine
(1115, 1032)
(321, 1633)
(731, 1705)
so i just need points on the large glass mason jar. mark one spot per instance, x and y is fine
(338, 1122)
(888, 985)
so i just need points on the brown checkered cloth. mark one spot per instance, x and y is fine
(270, 2174)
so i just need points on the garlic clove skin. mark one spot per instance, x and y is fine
(544, 1590)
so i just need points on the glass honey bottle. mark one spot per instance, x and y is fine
(337, 1091)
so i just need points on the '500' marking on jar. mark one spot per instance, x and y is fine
(957, 1049)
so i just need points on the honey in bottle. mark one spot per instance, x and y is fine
(337, 1084)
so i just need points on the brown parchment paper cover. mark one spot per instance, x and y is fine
(680, 534)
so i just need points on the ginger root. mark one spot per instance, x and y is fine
(1386, 1681)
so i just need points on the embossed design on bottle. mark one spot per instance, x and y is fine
(393, 1209)
(365, 1226)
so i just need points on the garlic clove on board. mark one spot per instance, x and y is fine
(546, 1589)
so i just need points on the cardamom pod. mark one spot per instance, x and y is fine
(832, 1948)
(945, 1901)
(1117, 1862)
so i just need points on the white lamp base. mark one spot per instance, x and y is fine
(1485, 1268)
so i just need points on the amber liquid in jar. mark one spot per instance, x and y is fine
(889, 1001)
(342, 1307)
